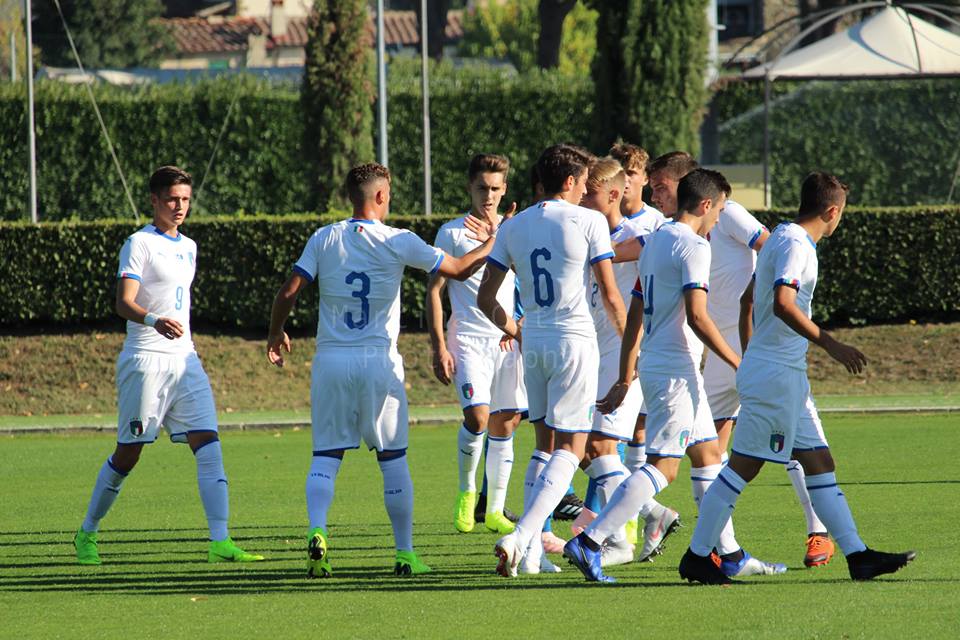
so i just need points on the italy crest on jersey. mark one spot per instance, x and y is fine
(776, 442)
(684, 439)
(467, 390)
(136, 428)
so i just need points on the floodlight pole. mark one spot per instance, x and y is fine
(766, 140)
(381, 88)
(31, 135)
(13, 57)
(425, 83)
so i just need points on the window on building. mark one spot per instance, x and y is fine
(742, 18)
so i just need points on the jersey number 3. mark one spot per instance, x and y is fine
(362, 294)
(544, 297)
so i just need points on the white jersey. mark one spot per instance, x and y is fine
(731, 244)
(164, 267)
(648, 217)
(552, 245)
(358, 266)
(466, 319)
(789, 258)
(674, 259)
(625, 274)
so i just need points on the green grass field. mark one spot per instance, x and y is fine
(898, 473)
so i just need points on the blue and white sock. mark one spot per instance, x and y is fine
(798, 480)
(538, 461)
(398, 499)
(105, 491)
(716, 508)
(636, 456)
(550, 487)
(607, 472)
(469, 448)
(498, 467)
(701, 478)
(321, 480)
(831, 505)
(591, 499)
(626, 501)
(212, 482)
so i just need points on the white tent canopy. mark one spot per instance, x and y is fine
(889, 43)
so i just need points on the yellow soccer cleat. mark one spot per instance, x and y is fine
(227, 551)
(463, 519)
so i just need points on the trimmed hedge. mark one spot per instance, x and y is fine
(881, 265)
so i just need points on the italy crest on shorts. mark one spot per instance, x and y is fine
(776, 441)
(136, 428)
(684, 439)
(467, 390)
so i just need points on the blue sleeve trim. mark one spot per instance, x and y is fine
(696, 285)
(756, 237)
(436, 265)
(604, 256)
(496, 264)
(302, 272)
(123, 275)
(792, 283)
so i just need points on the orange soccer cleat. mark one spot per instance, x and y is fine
(819, 550)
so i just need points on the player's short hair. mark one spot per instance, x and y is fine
(698, 185)
(167, 176)
(360, 177)
(631, 156)
(604, 172)
(488, 163)
(674, 165)
(819, 192)
(534, 179)
(558, 162)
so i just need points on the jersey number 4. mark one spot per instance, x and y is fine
(543, 296)
(362, 294)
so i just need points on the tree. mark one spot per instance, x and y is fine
(649, 73)
(336, 96)
(511, 31)
(551, 13)
(114, 34)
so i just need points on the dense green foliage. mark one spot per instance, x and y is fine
(649, 73)
(336, 98)
(881, 265)
(509, 31)
(894, 142)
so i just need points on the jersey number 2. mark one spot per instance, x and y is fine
(544, 297)
(362, 293)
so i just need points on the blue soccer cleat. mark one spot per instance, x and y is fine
(587, 560)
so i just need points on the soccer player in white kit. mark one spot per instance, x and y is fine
(357, 381)
(488, 378)
(160, 380)
(778, 420)
(552, 245)
(670, 300)
(734, 243)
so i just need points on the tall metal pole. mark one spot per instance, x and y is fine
(381, 88)
(425, 83)
(766, 141)
(713, 46)
(13, 57)
(31, 136)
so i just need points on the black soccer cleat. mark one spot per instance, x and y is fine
(868, 564)
(569, 508)
(511, 516)
(694, 568)
(480, 508)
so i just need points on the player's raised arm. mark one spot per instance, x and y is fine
(628, 250)
(277, 339)
(464, 267)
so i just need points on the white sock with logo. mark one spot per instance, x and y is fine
(798, 480)
(499, 465)
(398, 499)
(105, 491)
(212, 482)
(469, 449)
(550, 487)
(321, 481)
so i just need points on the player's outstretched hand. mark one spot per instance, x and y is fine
(444, 366)
(848, 356)
(168, 328)
(479, 230)
(276, 345)
(614, 398)
(511, 211)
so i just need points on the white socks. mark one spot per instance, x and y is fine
(635, 456)
(320, 484)
(796, 475)
(608, 472)
(700, 480)
(549, 489)
(212, 482)
(105, 491)
(499, 464)
(469, 449)
(626, 501)
(538, 461)
(398, 498)
(831, 505)
(716, 507)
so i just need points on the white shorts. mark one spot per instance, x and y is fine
(623, 421)
(777, 416)
(155, 390)
(357, 393)
(561, 379)
(485, 375)
(677, 414)
(720, 380)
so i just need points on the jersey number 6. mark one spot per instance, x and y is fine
(544, 297)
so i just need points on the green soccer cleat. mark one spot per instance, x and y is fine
(631, 528)
(318, 565)
(463, 520)
(498, 523)
(408, 564)
(227, 551)
(86, 545)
